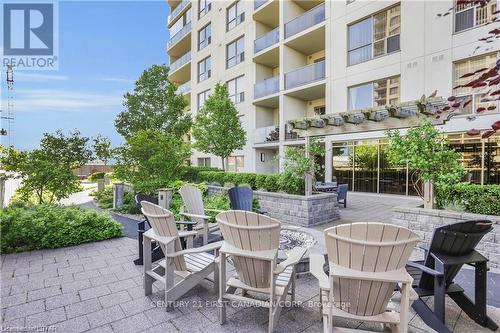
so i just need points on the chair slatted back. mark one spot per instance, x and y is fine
(163, 223)
(249, 232)
(193, 201)
(456, 239)
(241, 198)
(367, 247)
(342, 191)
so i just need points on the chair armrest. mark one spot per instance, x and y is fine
(206, 248)
(423, 268)
(295, 255)
(188, 233)
(214, 210)
(204, 217)
(186, 223)
(263, 254)
(160, 239)
(471, 258)
(397, 275)
(316, 263)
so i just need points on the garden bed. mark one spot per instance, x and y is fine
(424, 221)
(294, 209)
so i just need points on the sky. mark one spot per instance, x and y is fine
(103, 48)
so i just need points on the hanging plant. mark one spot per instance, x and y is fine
(333, 119)
(354, 117)
(316, 122)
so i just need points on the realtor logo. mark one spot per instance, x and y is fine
(30, 35)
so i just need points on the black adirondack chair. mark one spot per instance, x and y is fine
(241, 198)
(342, 194)
(142, 226)
(451, 247)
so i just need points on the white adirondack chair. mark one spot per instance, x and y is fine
(252, 241)
(191, 265)
(193, 202)
(367, 262)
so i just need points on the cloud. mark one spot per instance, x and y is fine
(40, 100)
(117, 79)
(32, 77)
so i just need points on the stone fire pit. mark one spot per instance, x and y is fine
(291, 237)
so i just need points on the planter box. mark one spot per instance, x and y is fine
(293, 209)
(333, 119)
(424, 221)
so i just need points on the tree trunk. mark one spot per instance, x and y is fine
(223, 166)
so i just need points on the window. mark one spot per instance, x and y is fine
(235, 15)
(469, 14)
(204, 69)
(204, 161)
(376, 93)
(235, 52)
(202, 97)
(180, 23)
(471, 65)
(204, 6)
(204, 36)
(235, 163)
(235, 88)
(319, 110)
(375, 36)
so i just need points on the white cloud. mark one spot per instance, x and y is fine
(36, 77)
(40, 100)
(117, 79)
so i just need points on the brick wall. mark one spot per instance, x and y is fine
(424, 221)
(295, 209)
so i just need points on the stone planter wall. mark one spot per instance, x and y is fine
(295, 209)
(424, 221)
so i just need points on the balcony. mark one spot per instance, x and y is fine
(258, 3)
(177, 10)
(180, 62)
(305, 21)
(184, 88)
(266, 87)
(179, 35)
(305, 75)
(267, 134)
(267, 40)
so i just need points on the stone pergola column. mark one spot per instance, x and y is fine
(328, 159)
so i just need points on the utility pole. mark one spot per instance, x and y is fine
(9, 117)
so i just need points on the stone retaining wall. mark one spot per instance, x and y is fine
(295, 209)
(424, 221)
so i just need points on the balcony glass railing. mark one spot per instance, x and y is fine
(178, 36)
(305, 75)
(306, 20)
(184, 88)
(266, 87)
(258, 3)
(180, 7)
(267, 134)
(180, 62)
(270, 38)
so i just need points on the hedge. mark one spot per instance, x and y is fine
(473, 198)
(191, 173)
(47, 226)
(96, 175)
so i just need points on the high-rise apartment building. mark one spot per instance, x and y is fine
(284, 60)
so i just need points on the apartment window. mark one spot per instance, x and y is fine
(202, 97)
(204, 6)
(204, 69)
(235, 88)
(319, 110)
(235, 163)
(204, 162)
(377, 93)
(471, 65)
(235, 15)
(235, 52)
(180, 23)
(374, 36)
(470, 14)
(204, 36)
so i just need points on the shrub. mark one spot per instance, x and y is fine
(105, 198)
(96, 175)
(236, 178)
(129, 204)
(268, 182)
(191, 173)
(479, 199)
(48, 226)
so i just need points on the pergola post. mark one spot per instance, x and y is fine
(308, 175)
(428, 195)
(328, 159)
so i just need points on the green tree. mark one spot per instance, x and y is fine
(102, 148)
(217, 129)
(425, 150)
(151, 160)
(366, 157)
(47, 172)
(154, 104)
